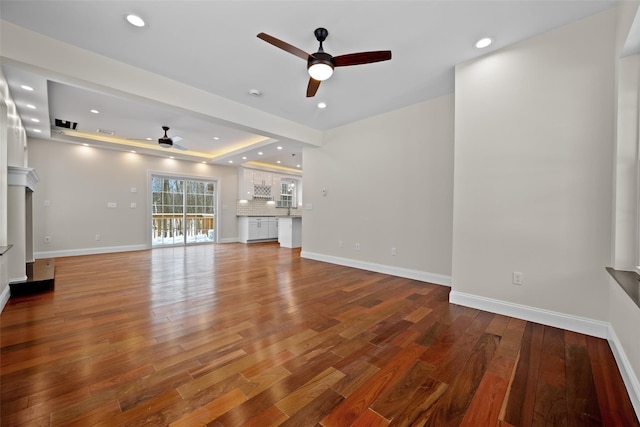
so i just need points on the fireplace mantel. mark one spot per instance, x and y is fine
(23, 177)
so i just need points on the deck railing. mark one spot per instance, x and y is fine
(169, 228)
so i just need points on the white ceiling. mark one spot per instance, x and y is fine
(212, 46)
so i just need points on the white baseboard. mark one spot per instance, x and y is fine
(629, 377)
(229, 240)
(423, 276)
(89, 251)
(18, 279)
(4, 297)
(569, 322)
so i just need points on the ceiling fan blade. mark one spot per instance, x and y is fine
(180, 147)
(312, 87)
(284, 45)
(361, 58)
(175, 139)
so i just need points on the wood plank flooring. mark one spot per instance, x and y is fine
(253, 335)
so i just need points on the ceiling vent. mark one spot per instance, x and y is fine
(105, 131)
(66, 124)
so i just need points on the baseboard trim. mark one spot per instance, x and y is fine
(4, 297)
(569, 322)
(629, 377)
(18, 279)
(90, 251)
(229, 240)
(422, 276)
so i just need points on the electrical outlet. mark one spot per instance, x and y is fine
(98, 237)
(112, 205)
(47, 239)
(394, 252)
(340, 244)
(518, 278)
(357, 246)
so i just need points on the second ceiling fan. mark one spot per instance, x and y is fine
(321, 64)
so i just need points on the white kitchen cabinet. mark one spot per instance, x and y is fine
(273, 228)
(257, 228)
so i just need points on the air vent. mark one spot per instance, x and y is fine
(66, 124)
(105, 131)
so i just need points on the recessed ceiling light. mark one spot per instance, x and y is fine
(95, 111)
(28, 88)
(204, 162)
(36, 130)
(230, 161)
(149, 139)
(297, 166)
(35, 120)
(278, 162)
(260, 153)
(279, 147)
(135, 20)
(255, 92)
(86, 145)
(244, 157)
(171, 157)
(33, 107)
(133, 151)
(216, 138)
(322, 105)
(484, 42)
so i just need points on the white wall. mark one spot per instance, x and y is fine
(389, 184)
(533, 170)
(625, 252)
(79, 181)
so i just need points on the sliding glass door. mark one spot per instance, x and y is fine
(183, 211)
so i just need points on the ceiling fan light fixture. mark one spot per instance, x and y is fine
(320, 70)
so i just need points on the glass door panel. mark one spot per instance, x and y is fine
(183, 211)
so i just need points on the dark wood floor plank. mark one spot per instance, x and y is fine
(582, 398)
(521, 399)
(614, 402)
(242, 335)
(357, 403)
(551, 404)
(451, 408)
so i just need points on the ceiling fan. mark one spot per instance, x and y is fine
(320, 65)
(166, 142)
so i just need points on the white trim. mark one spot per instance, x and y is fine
(230, 240)
(89, 251)
(4, 297)
(423, 276)
(18, 279)
(22, 177)
(569, 322)
(626, 370)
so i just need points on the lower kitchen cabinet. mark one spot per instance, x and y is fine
(257, 228)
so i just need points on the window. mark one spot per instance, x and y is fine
(287, 194)
(183, 211)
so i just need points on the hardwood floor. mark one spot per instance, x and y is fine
(238, 335)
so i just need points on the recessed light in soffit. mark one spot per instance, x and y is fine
(135, 20)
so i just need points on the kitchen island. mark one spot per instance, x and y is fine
(290, 231)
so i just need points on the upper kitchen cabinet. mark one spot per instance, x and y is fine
(265, 185)
(255, 184)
